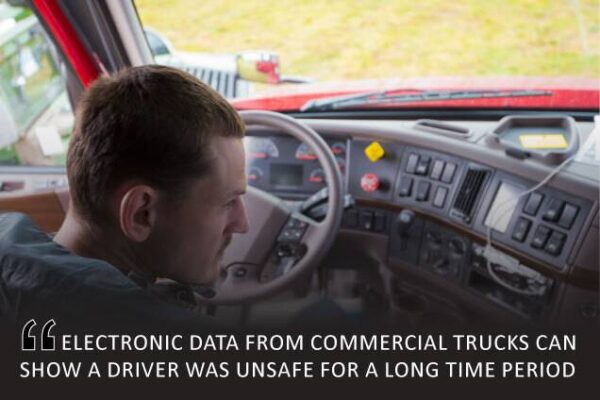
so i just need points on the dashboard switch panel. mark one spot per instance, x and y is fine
(411, 165)
(555, 243)
(448, 174)
(438, 168)
(440, 197)
(423, 166)
(554, 210)
(540, 237)
(424, 187)
(423, 191)
(521, 229)
(568, 216)
(406, 185)
(544, 225)
(533, 203)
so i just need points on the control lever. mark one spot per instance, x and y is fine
(316, 206)
(403, 223)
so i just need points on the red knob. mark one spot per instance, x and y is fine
(369, 182)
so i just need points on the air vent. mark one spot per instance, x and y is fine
(468, 194)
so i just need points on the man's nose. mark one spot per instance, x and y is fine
(241, 222)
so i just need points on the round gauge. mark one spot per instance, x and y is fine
(338, 148)
(317, 176)
(342, 163)
(254, 174)
(261, 148)
(305, 153)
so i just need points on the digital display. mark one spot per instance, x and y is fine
(503, 207)
(286, 174)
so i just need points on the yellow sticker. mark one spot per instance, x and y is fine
(552, 141)
(374, 151)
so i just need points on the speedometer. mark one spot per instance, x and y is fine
(262, 148)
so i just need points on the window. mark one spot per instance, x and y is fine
(35, 114)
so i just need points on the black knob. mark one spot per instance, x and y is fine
(404, 221)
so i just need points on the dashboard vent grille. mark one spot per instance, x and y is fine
(468, 193)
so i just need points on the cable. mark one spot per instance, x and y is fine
(490, 251)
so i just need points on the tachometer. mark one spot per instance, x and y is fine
(262, 148)
(305, 153)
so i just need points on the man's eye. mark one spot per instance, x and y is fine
(230, 203)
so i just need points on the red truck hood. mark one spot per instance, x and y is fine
(567, 93)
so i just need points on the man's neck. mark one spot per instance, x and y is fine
(85, 241)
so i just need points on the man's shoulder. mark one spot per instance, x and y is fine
(27, 252)
(37, 275)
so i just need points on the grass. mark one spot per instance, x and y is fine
(352, 39)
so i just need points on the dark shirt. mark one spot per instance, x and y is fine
(40, 278)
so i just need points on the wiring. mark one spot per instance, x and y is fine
(491, 254)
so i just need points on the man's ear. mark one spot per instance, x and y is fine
(137, 212)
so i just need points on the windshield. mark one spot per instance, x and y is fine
(327, 48)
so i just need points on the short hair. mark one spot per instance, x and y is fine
(151, 123)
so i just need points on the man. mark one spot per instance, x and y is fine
(156, 173)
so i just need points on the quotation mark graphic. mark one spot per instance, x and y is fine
(29, 341)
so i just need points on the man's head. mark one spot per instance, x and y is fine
(157, 160)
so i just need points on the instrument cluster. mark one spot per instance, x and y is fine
(283, 165)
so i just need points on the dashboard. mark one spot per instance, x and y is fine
(433, 197)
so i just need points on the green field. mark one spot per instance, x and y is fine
(350, 39)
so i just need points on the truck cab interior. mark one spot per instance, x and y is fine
(481, 212)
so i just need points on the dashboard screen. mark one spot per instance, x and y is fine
(503, 207)
(286, 174)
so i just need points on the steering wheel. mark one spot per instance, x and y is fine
(282, 245)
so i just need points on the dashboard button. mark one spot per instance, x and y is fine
(369, 182)
(556, 243)
(554, 209)
(405, 186)
(448, 174)
(411, 164)
(351, 219)
(533, 203)
(374, 152)
(438, 168)
(540, 237)
(568, 216)
(440, 197)
(521, 229)
(423, 166)
(366, 220)
(379, 222)
(423, 191)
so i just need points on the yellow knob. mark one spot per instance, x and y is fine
(374, 152)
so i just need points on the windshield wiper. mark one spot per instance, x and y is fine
(384, 97)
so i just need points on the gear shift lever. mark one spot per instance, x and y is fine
(403, 223)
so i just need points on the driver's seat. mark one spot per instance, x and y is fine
(47, 209)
